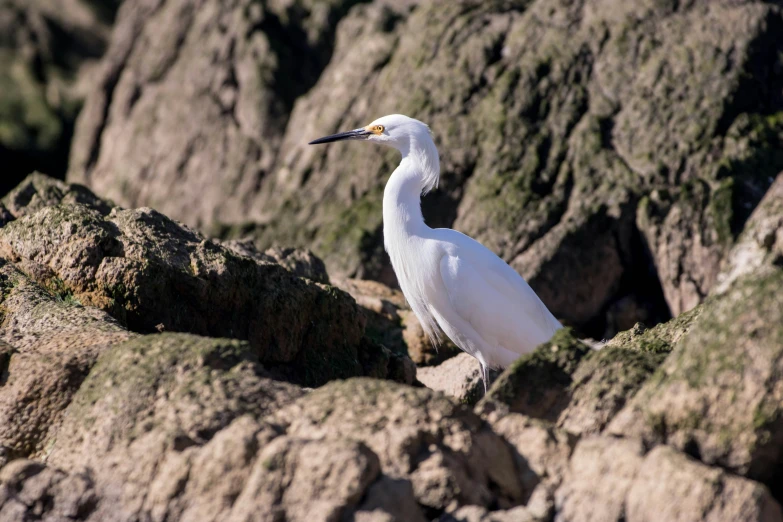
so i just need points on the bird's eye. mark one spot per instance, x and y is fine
(378, 129)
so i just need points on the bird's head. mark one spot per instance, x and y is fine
(394, 130)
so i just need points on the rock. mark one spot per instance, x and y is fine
(30, 489)
(563, 148)
(243, 63)
(37, 191)
(47, 53)
(600, 474)
(209, 382)
(458, 377)
(392, 323)
(577, 388)
(760, 246)
(303, 480)
(420, 347)
(537, 383)
(5, 216)
(702, 493)
(53, 344)
(659, 339)
(246, 472)
(446, 452)
(186, 444)
(153, 274)
(299, 262)
(389, 500)
(479, 514)
(541, 448)
(602, 384)
(717, 395)
(610, 479)
(147, 401)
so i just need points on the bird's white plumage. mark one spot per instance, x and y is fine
(453, 283)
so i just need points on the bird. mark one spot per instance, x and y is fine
(453, 283)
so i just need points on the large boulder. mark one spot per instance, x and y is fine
(37, 191)
(154, 274)
(118, 410)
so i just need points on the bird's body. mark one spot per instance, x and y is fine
(453, 283)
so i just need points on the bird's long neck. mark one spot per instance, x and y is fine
(418, 172)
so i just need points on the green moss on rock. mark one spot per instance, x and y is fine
(718, 394)
(659, 339)
(537, 383)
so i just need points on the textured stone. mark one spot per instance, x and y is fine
(52, 345)
(446, 452)
(458, 377)
(611, 480)
(717, 395)
(154, 274)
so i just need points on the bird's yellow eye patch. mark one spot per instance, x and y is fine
(375, 129)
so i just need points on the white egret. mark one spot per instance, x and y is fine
(452, 282)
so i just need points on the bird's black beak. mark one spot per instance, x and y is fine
(356, 134)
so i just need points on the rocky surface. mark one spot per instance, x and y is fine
(527, 100)
(49, 345)
(105, 418)
(642, 487)
(153, 274)
(623, 157)
(392, 323)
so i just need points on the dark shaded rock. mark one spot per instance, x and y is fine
(32, 491)
(537, 383)
(153, 274)
(299, 262)
(602, 384)
(760, 246)
(446, 452)
(5, 216)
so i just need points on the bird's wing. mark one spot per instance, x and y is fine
(508, 316)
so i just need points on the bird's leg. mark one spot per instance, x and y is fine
(484, 376)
